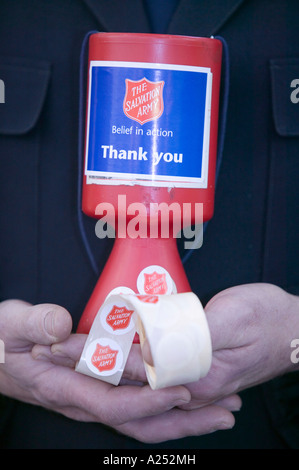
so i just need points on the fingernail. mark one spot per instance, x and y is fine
(223, 425)
(57, 352)
(181, 401)
(58, 323)
(41, 357)
(49, 323)
(236, 408)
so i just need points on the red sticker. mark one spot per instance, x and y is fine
(119, 317)
(104, 358)
(155, 283)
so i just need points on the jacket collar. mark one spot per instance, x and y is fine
(202, 18)
(192, 17)
(120, 16)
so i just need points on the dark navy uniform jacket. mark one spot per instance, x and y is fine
(253, 236)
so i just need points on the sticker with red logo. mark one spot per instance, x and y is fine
(155, 283)
(104, 356)
(143, 100)
(155, 280)
(117, 317)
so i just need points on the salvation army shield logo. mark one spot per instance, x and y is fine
(155, 283)
(143, 100)
(119, 317)
(104, 358)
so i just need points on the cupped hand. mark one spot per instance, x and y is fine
(34, 373)
(252, 327)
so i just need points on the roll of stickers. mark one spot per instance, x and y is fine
(174, 338)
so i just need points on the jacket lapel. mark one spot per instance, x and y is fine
(202, 17)
(192, 17)
(120, 16)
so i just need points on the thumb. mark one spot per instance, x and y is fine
(43, 323)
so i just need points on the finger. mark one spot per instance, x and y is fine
(231, 403)
(65, 353)
(134, 369)
(131, 402)
(43, 323)
(70, 349)
(109, 404)
(177, 423)
(68, 352)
